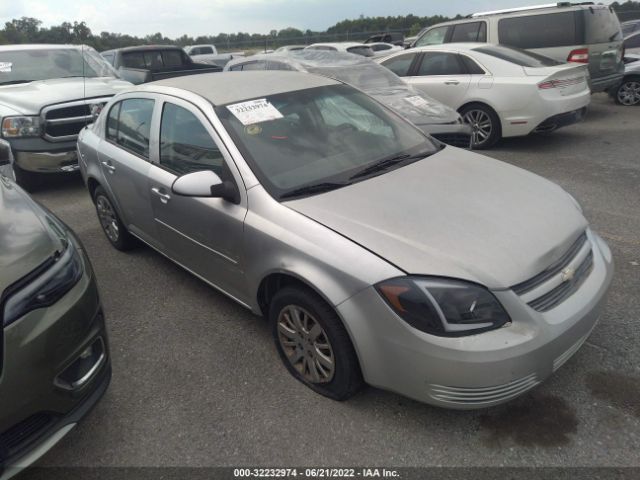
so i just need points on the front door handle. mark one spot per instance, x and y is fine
(108, 166)
(164, 197)
(452, 82)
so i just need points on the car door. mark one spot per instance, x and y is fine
(124, 160)
(441, 75)
(204, 235)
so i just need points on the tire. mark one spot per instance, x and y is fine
(112, 226)
(339, 378)
(485, 125)
(628, 92)
(28, 180)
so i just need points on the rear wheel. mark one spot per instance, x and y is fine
(485, 125)
(28, 180)
(628, 92)
(110, 222)
(313, 344)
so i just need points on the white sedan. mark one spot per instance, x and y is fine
(350, 47)
(500, 91)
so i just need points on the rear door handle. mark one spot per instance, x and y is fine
(108, 166)
(164, 197)
(452, 82)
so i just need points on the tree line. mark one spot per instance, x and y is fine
(30, 30)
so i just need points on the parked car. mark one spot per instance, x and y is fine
(628, 92)
(349, 47)
(630, 27)
(429, 115)
(377, 254)
(289, 48)
(209, 54)
(147, 63)
(55, 356)
(47, 94)
(380, 48)
(392, 38)
(500, 91)
(632, 43)
(409, 41)
(567, 32)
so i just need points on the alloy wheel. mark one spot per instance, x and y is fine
(629, 93)
(481, 126)
(107, 218)
(306, 344)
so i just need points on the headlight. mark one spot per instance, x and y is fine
(63, 272)
(15, 127)
(447, 308)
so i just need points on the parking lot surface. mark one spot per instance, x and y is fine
(197, 380)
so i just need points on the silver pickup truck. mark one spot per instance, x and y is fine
(48, 93)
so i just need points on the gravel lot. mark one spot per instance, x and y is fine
(197, 380)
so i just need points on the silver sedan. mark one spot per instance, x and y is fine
(377, 255)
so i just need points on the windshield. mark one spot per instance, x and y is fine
(363, 50)
(318, 136)
(517, 56)
(21, 66)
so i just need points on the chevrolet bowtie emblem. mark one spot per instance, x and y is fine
(567, 274)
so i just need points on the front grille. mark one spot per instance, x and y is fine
(21, 436)
(481, 396)
(564, 290)
(559, 281)
(64, 121)
(460, 140)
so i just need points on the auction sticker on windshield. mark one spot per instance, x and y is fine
(5, 67)
(254, 111)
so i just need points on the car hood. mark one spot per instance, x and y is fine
(29, 98)
(455, 214)
(26, 238)
(423, 111)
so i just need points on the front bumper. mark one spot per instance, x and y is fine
(36, 408)
(454, 134)
(480, 370)
(39, 156)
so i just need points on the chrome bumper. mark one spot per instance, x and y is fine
(47, 162)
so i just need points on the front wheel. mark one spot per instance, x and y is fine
(485, 125)
(313, 344)
(628, 92)
(110, 222)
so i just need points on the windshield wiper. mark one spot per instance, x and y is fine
(311, 189)
(388, 163)
(14, 82)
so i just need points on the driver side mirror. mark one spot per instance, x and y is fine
(206, 183)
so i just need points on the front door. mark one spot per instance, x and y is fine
(204, 235)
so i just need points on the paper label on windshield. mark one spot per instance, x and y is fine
(417, 101)
(5, 67)
(254, 111)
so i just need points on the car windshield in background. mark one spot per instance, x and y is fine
(601, 26)
(22, 66)
(320, 138)
(364, 51)
(517, 56)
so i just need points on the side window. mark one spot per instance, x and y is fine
(279, 66)
(440, 63)
(469, 32)
(237, 68)
(632, 41)
(435, 36)
(472, 67)
(201, 50)
(153, 60)
(134, 124)
(258, 65)
(539, 31)
(172, 58)
(108, 57)
(133, 60)
(400, 65)
(112, 122)
(185, 145)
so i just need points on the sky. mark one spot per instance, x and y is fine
(174, 18)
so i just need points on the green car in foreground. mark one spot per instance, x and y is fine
(54, 356)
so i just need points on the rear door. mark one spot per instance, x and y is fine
(441, 75)
(203, 235)
(124, 160)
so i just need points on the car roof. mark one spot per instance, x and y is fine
(229, 87)
(40, 46)
(146, 47)
(461, 47)
(340, 44)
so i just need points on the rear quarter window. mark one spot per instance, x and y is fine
(540, 31)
